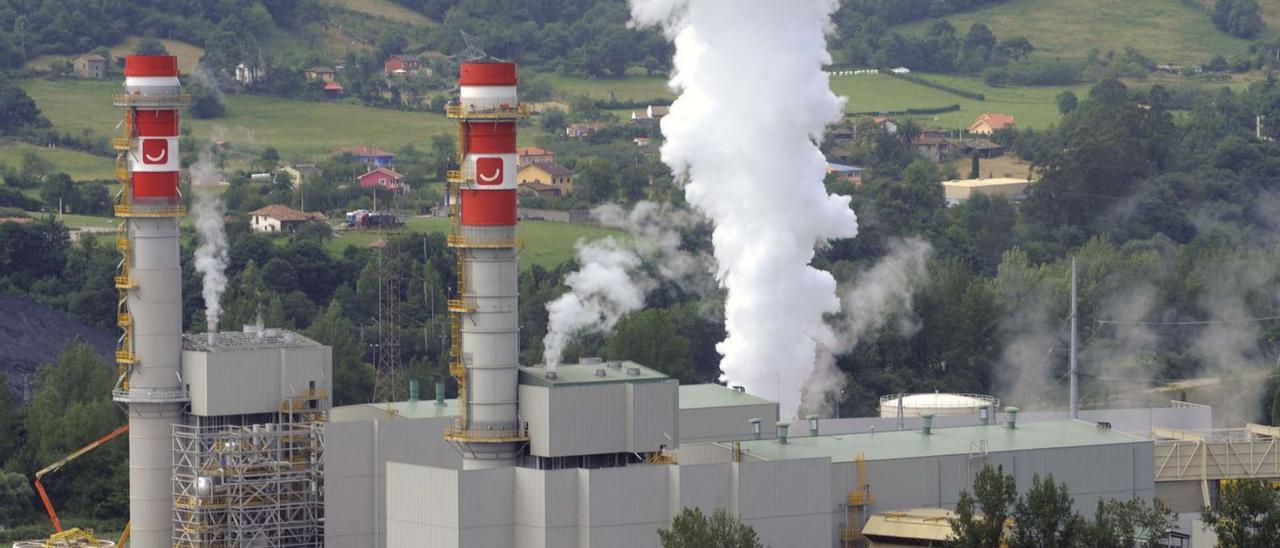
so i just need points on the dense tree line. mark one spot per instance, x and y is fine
(994, 514)
(1241, 18)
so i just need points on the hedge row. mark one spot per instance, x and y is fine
(910, 111)
(931, 84)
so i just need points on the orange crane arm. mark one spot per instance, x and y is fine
(44, 497)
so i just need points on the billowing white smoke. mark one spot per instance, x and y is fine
(613, 279)
(753, 101)
(882, 294)
(211, 253)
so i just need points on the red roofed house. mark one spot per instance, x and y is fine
(991, 122)
(534, 155)
(281, 218)
(385, 178)
(401, 64)
(333, 90)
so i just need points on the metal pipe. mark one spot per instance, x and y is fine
(927, 427)
(755, 427)
(783, 426)
(813, 425)
(440, 394)
(1012, 421)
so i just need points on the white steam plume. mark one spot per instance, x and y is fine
(613, 279)
(211, 253)
(753, 101)
(882, 294)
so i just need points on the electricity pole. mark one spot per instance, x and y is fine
(1074, 405)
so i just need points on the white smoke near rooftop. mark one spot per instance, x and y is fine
(753, 101)
(211, 254)
(883, 293)
(617, 273)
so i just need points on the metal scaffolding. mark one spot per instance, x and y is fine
(251, 483)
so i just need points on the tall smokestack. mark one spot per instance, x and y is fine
(150, 283)
(485, 332)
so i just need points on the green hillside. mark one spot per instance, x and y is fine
(1168, 31)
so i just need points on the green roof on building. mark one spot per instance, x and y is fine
(704, 396)
(901, 444)
(417, 409)
(588, 373)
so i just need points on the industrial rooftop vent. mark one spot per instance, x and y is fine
(601, 373)
(633, 371)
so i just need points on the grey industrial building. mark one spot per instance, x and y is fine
(394, 481)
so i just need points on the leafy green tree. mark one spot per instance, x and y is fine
(10, 424)
(554, 120)
(16, 497)
(353, 377)
(150, 46)
(1044, 518)
(1241, 18)
(649, 337)
(59, 191)
(1121, 524)
(693, 529)
(980, 518)
(71, 407)
(597, 181)
(1247, 515)
(206, 100)
(17, 110)
(1067, 102)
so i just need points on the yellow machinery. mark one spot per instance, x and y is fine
(859, 500)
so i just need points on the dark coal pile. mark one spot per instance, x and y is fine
(32, 334)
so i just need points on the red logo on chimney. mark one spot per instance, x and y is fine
(489, 171)
(155, 151)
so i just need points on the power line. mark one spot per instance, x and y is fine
(1145, 380)
(1192, 322)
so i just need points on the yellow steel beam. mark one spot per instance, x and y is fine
(1175, 434)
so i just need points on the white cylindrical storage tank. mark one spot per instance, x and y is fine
(937, 404)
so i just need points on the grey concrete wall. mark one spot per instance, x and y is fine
(708, 424)
(593, 419)
(356, 457)
(235, 382)
(786, 501)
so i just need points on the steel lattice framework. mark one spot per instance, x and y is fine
(256, 484)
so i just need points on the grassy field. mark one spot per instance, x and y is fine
(1033, 107)
(79, 165)
(388, 10)
(545, 243)
(631, 88)
(299, 129)
(1165, 30)
(188, 54)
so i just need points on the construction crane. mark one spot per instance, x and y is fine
(44, 497)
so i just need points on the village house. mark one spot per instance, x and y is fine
(842, 132)
(549, 174)
(534, 155)
(984, 148)
(91, 65)
(583, 129)
(932, 144)
(991, 122)
(248, 75)
(886, 124)
(852, 174)
(383, 177)
(539, 189)
(368, 155)
(650, 114)
(400, 64)
(278, 218)
(320, 74)
(300, 173)
(333, 90)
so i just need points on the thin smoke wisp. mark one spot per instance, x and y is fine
(211, 255)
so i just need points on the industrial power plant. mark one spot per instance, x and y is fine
(234, 441)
